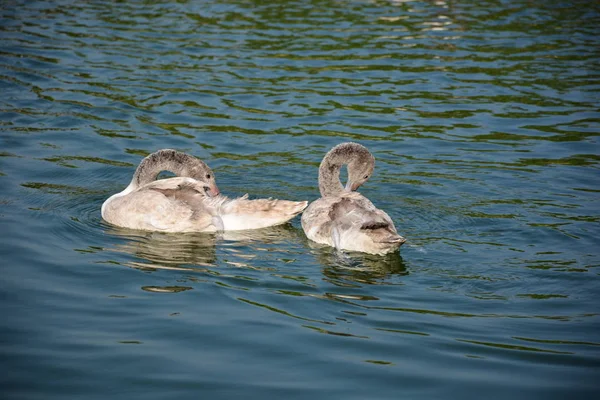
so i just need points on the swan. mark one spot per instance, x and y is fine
(190, 201)
(342, 217)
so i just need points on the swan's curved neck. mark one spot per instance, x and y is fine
(340, 155)
(178, 163)
(329, 177)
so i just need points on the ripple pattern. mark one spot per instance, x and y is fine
(484, 120)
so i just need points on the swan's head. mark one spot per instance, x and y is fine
(210, 184)
(360, 169)
(193, 167)
(356, 157)
(202, 173)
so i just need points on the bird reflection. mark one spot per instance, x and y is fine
(201, 252)
(174, 250)
(167, 248)
(343, 268)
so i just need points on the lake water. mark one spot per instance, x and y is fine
(484, 120)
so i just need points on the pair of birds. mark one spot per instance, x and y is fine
(191, 202)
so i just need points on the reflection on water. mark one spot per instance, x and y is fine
(168, 250)
(196, 251)
(341, 268)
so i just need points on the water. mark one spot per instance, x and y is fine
(483, 118)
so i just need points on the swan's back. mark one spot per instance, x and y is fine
(349, 221)
(163, 205)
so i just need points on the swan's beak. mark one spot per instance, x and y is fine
(214, 191)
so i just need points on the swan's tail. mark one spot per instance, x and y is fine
(242, 213)
(383, 234)
(371, 237)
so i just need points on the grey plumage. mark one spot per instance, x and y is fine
(346, 219)
(190, 202)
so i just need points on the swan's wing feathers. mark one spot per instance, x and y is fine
(372, 225)
(357, 211)
(244, 206)
(378, 219)
(241, 213)
(381, 229)
(186, 205)
(186, 193)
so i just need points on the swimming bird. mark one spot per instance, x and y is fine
(342, 217)
(190, 201)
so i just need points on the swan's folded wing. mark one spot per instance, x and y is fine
(356, 211)
(185, 192)
(185, 209)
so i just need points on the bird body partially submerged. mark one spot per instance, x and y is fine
(343, 218)
(189, 202)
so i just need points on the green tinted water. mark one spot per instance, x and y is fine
(483, 118)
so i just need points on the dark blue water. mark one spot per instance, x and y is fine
(484, 120)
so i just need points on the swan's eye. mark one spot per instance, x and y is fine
(206, 189)
(207, 176)
(366, 176)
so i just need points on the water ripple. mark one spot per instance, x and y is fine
(483, 118)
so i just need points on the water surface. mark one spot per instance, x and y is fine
(483, 118)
